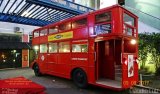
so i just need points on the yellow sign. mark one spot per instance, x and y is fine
(61, 36)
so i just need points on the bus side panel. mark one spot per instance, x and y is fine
(92, 59)
(43, 39)
(35, 41)
(117, 20)
(80, 59)
(91, 70)
(80, 33)
(64, 64)
(91, 74)
(42, 62)
(52, 62)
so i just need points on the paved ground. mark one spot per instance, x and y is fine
(55, 85)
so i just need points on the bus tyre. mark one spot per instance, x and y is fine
(36, 70)
(80, 78)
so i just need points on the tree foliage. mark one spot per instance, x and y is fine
(149, 43)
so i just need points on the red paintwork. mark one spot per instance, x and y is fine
(61, 64)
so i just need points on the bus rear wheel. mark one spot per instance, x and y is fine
(80, 78)
(36, 70)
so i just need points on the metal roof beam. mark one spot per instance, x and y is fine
(51, 14)
(57, 16)
(25, 5)
(43, 14)
(11, 18)
(63, 5)
(17, 6)
(37, 22)
(24, 9)
(38, 13)
(30, 10)
(1, 2)
(5, 6)
(11, 6)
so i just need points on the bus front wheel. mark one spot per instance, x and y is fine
(80, 78)
(36, 70)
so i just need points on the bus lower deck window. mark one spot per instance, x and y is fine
(53, 47)
(64, 47)
(79, 48)
(43, 48)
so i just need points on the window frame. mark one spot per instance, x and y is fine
(59, 46)
(46, 32)
(80, 42)
(78, 20)
(35, 32)
(64, 23)
(80, 48)
(40, 48)
(57, 50)
(56, 26)
(126, 26)
(103, 21)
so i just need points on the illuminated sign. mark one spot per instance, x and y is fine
(61, 36)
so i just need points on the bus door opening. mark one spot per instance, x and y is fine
(108, 62)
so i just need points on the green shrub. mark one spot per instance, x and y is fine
(157, 72)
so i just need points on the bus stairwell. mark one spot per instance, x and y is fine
(108, 65)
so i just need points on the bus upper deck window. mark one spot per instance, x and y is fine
(36, 34)
(43, 32)
(79, 23)
(103, 25)
(65, 26)
(129, 20)
(53, 29)
(104, 17)
(129, 25)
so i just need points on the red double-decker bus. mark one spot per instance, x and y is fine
(98, 48)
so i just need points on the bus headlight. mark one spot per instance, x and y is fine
(36, 47)
(133, 41)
